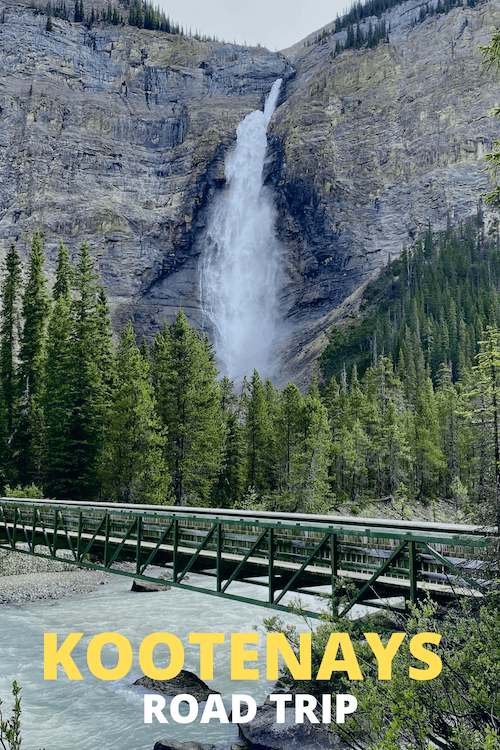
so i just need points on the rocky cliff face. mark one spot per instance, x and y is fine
(118, 136)
(373, 146)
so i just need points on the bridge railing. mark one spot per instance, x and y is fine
(285, 553)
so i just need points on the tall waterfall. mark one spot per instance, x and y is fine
(241, 266)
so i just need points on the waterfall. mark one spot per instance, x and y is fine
(241, 266)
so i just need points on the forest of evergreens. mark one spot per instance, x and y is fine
(405, 408)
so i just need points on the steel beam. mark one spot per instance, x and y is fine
(285, 553)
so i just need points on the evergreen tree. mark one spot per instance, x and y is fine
(428, 457)
(289, 435)
(486, 408)
(28, 437)
(64, 274)
(188, 398)
(258, 436)
(9, 335)
(315, 454)
(231, 479)
(390, 455)
(90, 376)
(58, 391)
(134, 465)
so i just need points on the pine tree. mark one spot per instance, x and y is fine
(64, 274)
(28, 437)
(134, 465)
(258, 436)
(90, 378)
(9, 334)
(428, 457)
(231, 479)
(188, 400)
(289, 435)
(314, 459)
(390, 455)
(486, 408)
(58, 392)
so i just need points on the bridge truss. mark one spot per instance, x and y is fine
(366, 560)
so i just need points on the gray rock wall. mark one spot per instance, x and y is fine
(118, 136)
(375, 145)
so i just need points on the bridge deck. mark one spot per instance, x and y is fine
(365, 560)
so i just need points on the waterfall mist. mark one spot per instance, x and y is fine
(241, 264)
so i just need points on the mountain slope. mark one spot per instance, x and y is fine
(374, 145)
(118, 135)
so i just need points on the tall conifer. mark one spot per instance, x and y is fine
(57, 398)
(28, 438)
(188, 398)
(134, 467)
(90, 372)
(9, 332)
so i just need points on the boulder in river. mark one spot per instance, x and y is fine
(190, 745)
(264, 732)
(185, 682)
(176, 745)
(148, 586)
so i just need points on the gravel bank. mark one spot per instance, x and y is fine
(26, 579)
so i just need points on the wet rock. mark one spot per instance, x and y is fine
(148, 586)
(185, 682)
(175, 745)
(264, 733)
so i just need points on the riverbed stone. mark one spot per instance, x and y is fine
(264, 733)
(176, 745)
(185, 682)
(148, 586)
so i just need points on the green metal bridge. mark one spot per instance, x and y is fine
(283, 554)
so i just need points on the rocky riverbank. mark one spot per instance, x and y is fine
(26, 579)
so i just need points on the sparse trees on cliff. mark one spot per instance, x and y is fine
(491, 54)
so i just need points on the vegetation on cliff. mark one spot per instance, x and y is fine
(376, 32)
(140, 13)
(433, 302)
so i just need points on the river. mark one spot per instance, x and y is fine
(93, 714)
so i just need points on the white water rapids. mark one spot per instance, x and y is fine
(241, 267)
(109, 715)
(91, 713)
